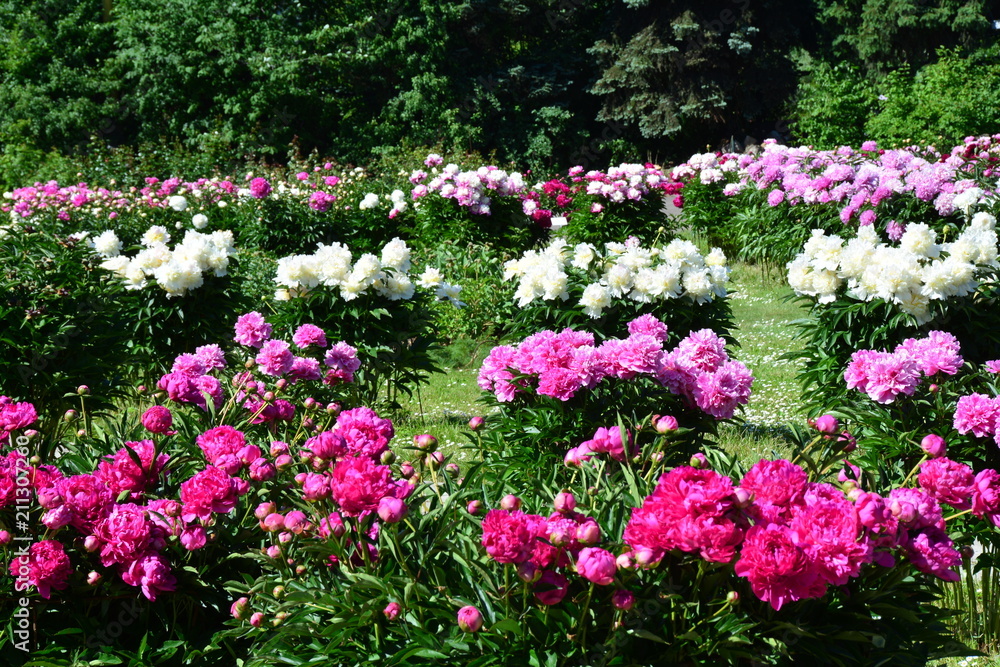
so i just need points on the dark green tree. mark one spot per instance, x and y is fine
(700, 69)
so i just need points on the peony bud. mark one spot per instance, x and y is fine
(273, 522)
(469, 619)
(476, 423)
(934, 445)
(283, 461)
(426, 442)
(732, 597)
(273, 551)
(596, 565)
(257, 619)
(741, 497)
(5, 538)
(623, 599)
(278, 447)
(83, 390)
(91, 543)
(698, 461)
(82, 433)
(268, 397)
(281, 384)
(240, 608)
(588, 533)
(286, 537)
(826, 424)
(264, 509)
(474, 507)
(510, 503)
(528, 572)
(296, 521)
(93, 578)
(278, 592)
(624, 562)
(157, 419)
(392, 611)
(391, 510)
(309, 403)
(70, 415)
(333, 409)
(388, 457)
(453, 470)
(664, 424)
(564, 502)
(406, 469)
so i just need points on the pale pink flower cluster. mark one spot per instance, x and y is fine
(562, 364)
(884, 376)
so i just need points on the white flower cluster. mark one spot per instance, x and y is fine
(623, 270)
(911, 275)
(175, 271)
(331, 266)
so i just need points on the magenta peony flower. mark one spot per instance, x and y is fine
(508, 536)
(124, 534)
(596, 565)
(931, 551)
(16, 416)
(364, 432)
(495, 374)
(121, 473)
(623, 599)
(188, 364)
(87, 497)
(207, 492)
(158, 419)
(776, 486)
(779, 571)
(828, 531)
(252, 330)
(45, 567)
(986, 496)
(221, 446)
(358, 484)
(152, 573)
(259, 188)
(948, 481)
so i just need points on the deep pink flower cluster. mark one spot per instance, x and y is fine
(562, 364)
(544, 548)
(14, 417)
(884, 376)
(121, 472)
(792, 538)
(608, 441)
(190, 377)
(46, 567)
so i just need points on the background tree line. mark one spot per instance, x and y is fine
(545, 83)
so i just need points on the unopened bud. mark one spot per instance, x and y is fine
(510, 502)
(698, 461)
(83, 390)
(388, 457)
(93, 578)
(476, 423)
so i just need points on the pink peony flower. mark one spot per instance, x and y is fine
(252, 330)
(259, 188)
(16, 416)
(304, 368)
(45, 567)
(124, 534)
(776, 486)
(937, 353)
(275, 358)
(211, 357)
(828, 532)
(188, 364)
(977, 413)
(343, 362)
(650, 326)
(719, 392)
(309, 334)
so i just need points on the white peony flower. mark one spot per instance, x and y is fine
(108, 244)
(177, 202)
(199, 220)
